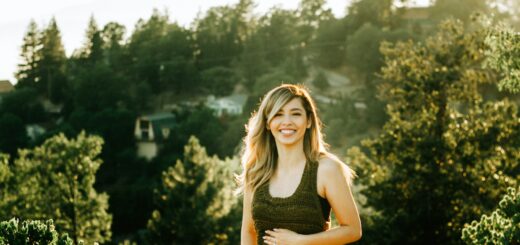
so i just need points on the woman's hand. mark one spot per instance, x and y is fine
(282, 237)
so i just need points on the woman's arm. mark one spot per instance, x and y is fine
(337, 191)
(248, 232)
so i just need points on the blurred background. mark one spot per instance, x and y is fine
(134, 135)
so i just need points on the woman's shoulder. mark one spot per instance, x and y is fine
(330, 167)
(329, 164)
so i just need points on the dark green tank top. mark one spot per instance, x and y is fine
(304, 212)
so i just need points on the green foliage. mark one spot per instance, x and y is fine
(27, 73)
(51, 64)
(219, 81)
(220, 34)
(55, 181)
(5, 190)
(462, 9)
(363, 49)
(12, 133)
(503, 53)
(320, 81)
(23, 103)
(329, 46)
(444, 155)
(374, 12)
(193, 199)
(270, 80)
(31, 232)
(501, 227)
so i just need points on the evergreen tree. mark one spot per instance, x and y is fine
(27, 73)
(56, 181)
(92, 50)
(51, 65)
(194, 198)
(501, 227)
(444, 155)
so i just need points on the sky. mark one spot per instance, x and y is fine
(72, 17)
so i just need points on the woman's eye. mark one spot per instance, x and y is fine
(297, 114)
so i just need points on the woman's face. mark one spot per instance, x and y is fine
(289, 123)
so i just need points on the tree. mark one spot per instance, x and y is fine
(51, 65)
(25, 104)
(375, 12)
(219, 81)
(311, 13)
(27, 73)
(503, 53)
(6, 193)
(92, 50)
(112, 37)
(195, 192)
(220, 34)
(462, 10)
(12, 134)
(444, 155)
(321, 82)
(55, 181)
(31, 232)
(501, 227)
(363, 49)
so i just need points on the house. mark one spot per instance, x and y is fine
(151, 131)
(34, 131)
(230, 105)
(5, 87)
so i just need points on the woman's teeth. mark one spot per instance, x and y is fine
(287, 131)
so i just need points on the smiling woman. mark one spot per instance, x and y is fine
(290, 181)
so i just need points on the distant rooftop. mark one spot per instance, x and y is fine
(5, 86)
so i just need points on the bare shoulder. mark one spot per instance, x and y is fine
(332, 169)
(330, 166)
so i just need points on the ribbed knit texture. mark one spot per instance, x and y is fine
(301, 212)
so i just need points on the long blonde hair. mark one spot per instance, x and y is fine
(259, 151)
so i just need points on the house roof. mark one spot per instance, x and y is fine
(160, 121)
(232, 100)
(158, 116)
(5, 86)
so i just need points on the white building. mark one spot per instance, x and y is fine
(151, 131)
(231, 105)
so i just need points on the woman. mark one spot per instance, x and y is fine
(290, 181)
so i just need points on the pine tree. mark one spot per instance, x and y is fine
(92, 50)
(193, 200)
(444, 155)
(56, 181)
(27, 73)
(51, 65)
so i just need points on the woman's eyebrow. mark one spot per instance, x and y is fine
(296, 109)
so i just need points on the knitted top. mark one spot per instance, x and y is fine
(304, 212)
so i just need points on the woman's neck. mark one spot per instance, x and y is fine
(290, 156)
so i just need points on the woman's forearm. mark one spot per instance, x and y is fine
(339, 235)
(247, 238)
